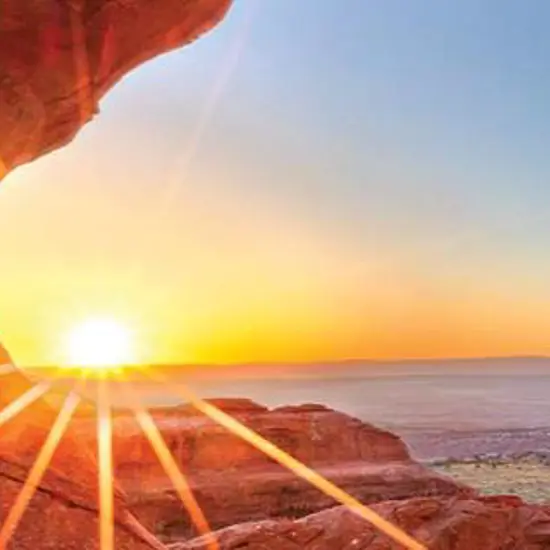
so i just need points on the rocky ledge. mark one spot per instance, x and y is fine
(58, 58)
(252, 503)
(234, 482)
(490, 523)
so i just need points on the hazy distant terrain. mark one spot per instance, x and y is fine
(442, 408)
(448, 408)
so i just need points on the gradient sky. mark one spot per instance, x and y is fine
(313, 179)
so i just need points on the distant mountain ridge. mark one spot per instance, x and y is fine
(349, 368)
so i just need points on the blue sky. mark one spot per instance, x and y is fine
(373, 165)
(426, 116)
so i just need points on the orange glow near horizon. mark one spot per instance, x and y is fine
(225, 329)
(191, 301)
(195, 302)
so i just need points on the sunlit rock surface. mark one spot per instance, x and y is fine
(61, 515)
(440, 523)
(63, 512)
(58, 58)
(235, 483)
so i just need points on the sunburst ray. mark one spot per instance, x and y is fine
(19, 404)
(170, 466)
(23, 401)
(289, 462)
(105, 470)
(39, 467)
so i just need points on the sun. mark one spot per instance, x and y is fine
(100, 344)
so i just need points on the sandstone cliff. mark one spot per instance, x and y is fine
(372, 464)
(235, 483)
(58, 58)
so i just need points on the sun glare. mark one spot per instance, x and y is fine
(100, 344)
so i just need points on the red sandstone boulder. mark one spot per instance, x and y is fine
(439, 523)
(315, 435)
(234, 482)
(58, 58)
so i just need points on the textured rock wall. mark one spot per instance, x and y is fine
(440, 523)
(58, 58)
(235, 483)
(315, 435)
(63, 513)
(60, 516)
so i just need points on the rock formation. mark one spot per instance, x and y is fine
(63, 512)
(58, 58)
(315, 435)
(62, 515)
(441, 523)
(234, 482)
(263, 507)
(254, 503)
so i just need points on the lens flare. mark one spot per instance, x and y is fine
(22, 402)
(105, 455)
(100, 344)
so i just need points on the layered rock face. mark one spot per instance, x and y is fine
(314, 434)
(499, 523)
(59, 57)
(234, 482)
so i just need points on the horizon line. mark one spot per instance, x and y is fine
(319, 362)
